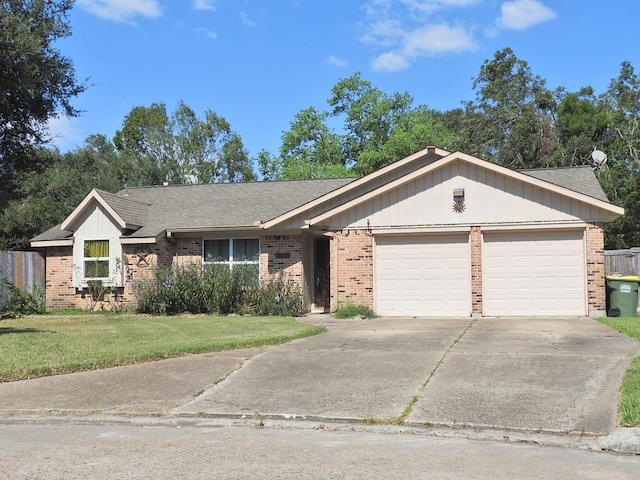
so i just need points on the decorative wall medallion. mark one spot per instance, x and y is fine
(458, 206)
(143, 257)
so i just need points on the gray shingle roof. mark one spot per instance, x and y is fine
(579, 179)
(229, 205)
(54, 233)
(218, 205)
(224, 205)
(131, 211)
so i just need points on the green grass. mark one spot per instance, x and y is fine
(629, 408)
(45, 345)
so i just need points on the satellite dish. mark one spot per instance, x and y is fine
(599, 158)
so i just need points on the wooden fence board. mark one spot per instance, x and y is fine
(24, 269)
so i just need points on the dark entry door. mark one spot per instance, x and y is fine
(321, 273)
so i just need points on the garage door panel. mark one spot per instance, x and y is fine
(541, 273)
(422, 275)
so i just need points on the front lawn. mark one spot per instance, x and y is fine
(38, 346)
(630, 389)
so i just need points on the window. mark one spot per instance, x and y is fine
(96, 259)
(233, 251)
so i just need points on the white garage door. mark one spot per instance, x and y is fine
(422, 275)
(532, 274)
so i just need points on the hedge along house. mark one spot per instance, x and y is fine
(434, 234)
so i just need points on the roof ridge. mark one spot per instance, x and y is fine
(554, 168)
(219, 184)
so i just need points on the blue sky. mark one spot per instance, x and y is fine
(259, 62)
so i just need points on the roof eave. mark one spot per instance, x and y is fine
(93, 195)
(612, 211)
(356, 183)
(66, 242)
(212, 228)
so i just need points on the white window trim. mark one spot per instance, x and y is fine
(230, 261)
(86, 279)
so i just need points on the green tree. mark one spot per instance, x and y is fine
(181, 148)
(511, 120)
(370, 117)
(581, 124)
(377, 129)
(36, 81)
(47, 198)
(622, 179)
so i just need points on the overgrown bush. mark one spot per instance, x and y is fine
(280, 296)
(350, 311)
(217, 289)
(22, 302)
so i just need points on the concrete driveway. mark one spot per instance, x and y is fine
(552, 375)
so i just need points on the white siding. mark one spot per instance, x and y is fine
(422, 275)
(534, 273)
(96, 224)
(489, 198)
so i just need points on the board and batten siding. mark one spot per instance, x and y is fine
(489, 198)
(96, 224)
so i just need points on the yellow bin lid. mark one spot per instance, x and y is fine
(626, 278)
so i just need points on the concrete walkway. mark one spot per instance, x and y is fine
(550, 375)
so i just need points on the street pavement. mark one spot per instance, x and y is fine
(71, 451)
(515, 377)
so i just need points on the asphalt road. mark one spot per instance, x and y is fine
(117, 452)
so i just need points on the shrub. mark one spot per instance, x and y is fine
(279, 296)
(217, 289)
(350, 311)
(22, 302)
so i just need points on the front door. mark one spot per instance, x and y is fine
(321, 271)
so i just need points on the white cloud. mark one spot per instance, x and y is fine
(246, 20)
(205, 31)
(204, 5)
(384, 33)
(522, 14)
(63, 130)
(122, 10)
(390, 62)
(428, 40)
(436, 39)
(428, 6)
(337, 61)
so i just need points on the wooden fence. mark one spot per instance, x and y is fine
(623, 262)
(24, 269)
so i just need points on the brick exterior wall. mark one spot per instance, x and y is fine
(596, 288)
(475, 240)
(352, 268)
(281, 253)
(60, 293)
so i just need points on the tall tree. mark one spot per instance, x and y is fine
(377, 129)
(46, 198)
(181, 148)
(510, 121)
(622, 181)
(36, 80)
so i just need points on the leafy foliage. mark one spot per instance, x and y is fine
(180, 148)
(350, 311)
(378, 129)
(215, 288)
(37, 81)
(22, 302)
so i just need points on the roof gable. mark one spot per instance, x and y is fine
(125, 213)
(611, 211)
(367, 183)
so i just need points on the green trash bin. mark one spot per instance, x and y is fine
(622, 296)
